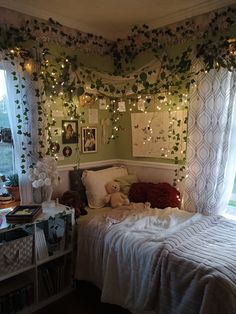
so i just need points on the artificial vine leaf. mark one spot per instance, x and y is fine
(134, 88)
(80, 91)
(143, 76)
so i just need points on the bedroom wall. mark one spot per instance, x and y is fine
(120, 150)
(148, 168)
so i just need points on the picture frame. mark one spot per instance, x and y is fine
(89, 140)
(70, 134)
(23, 214)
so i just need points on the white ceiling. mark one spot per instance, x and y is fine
(114, 18)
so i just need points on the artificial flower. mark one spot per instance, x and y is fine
(44, 173)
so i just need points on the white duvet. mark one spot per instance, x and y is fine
(118, 251)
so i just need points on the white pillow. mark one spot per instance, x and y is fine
(95, 181)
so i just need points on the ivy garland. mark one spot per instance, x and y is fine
(64, 77)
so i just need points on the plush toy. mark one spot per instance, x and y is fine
(73, 199)
(114, 196)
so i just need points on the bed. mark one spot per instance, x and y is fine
(164, 261)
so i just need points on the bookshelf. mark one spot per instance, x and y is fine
(36, 260)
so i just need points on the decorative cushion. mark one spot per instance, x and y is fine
(138, 192)
(125, 182)
(95, 181)
(160, 195)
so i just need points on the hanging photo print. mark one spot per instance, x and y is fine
(89, 140)
(69, 131)
(67, 151)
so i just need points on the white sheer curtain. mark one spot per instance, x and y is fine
(211, 147)
(26, 95)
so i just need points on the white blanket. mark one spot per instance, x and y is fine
(118, 251)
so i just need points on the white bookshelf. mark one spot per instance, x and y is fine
(49, 275)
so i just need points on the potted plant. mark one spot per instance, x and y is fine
(12, 186)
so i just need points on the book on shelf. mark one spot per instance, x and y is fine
(47, 279)
(15, 300)
(41, 244)
(53, 275)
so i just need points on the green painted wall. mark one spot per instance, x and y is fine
(120, 148)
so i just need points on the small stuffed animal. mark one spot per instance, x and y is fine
(73, 199)
(114, 196)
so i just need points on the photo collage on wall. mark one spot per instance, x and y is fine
(66, 136)
(89, 140)
(70, 135)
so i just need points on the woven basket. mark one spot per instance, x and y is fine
(16, 251)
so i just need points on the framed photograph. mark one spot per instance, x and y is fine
(89, 140)
(24, 214)
(70, 132)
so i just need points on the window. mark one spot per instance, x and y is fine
(6, 142)
(231, 208)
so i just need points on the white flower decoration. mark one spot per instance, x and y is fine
(44, 173)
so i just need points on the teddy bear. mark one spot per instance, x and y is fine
(73, 199)
(114, 196)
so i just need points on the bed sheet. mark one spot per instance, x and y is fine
(160, 261)
(91, 212)
(118, 250)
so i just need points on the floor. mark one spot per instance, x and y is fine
(84, 300)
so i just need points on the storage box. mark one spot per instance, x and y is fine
(16, 251)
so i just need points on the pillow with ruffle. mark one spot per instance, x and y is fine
(95, 181)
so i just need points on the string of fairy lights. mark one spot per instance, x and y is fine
(56, 78)
(133, 103)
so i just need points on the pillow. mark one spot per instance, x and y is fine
(125, 182)
(162, 195)
(138, 192)
(95, 181)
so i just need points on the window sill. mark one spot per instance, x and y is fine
(230, 212)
